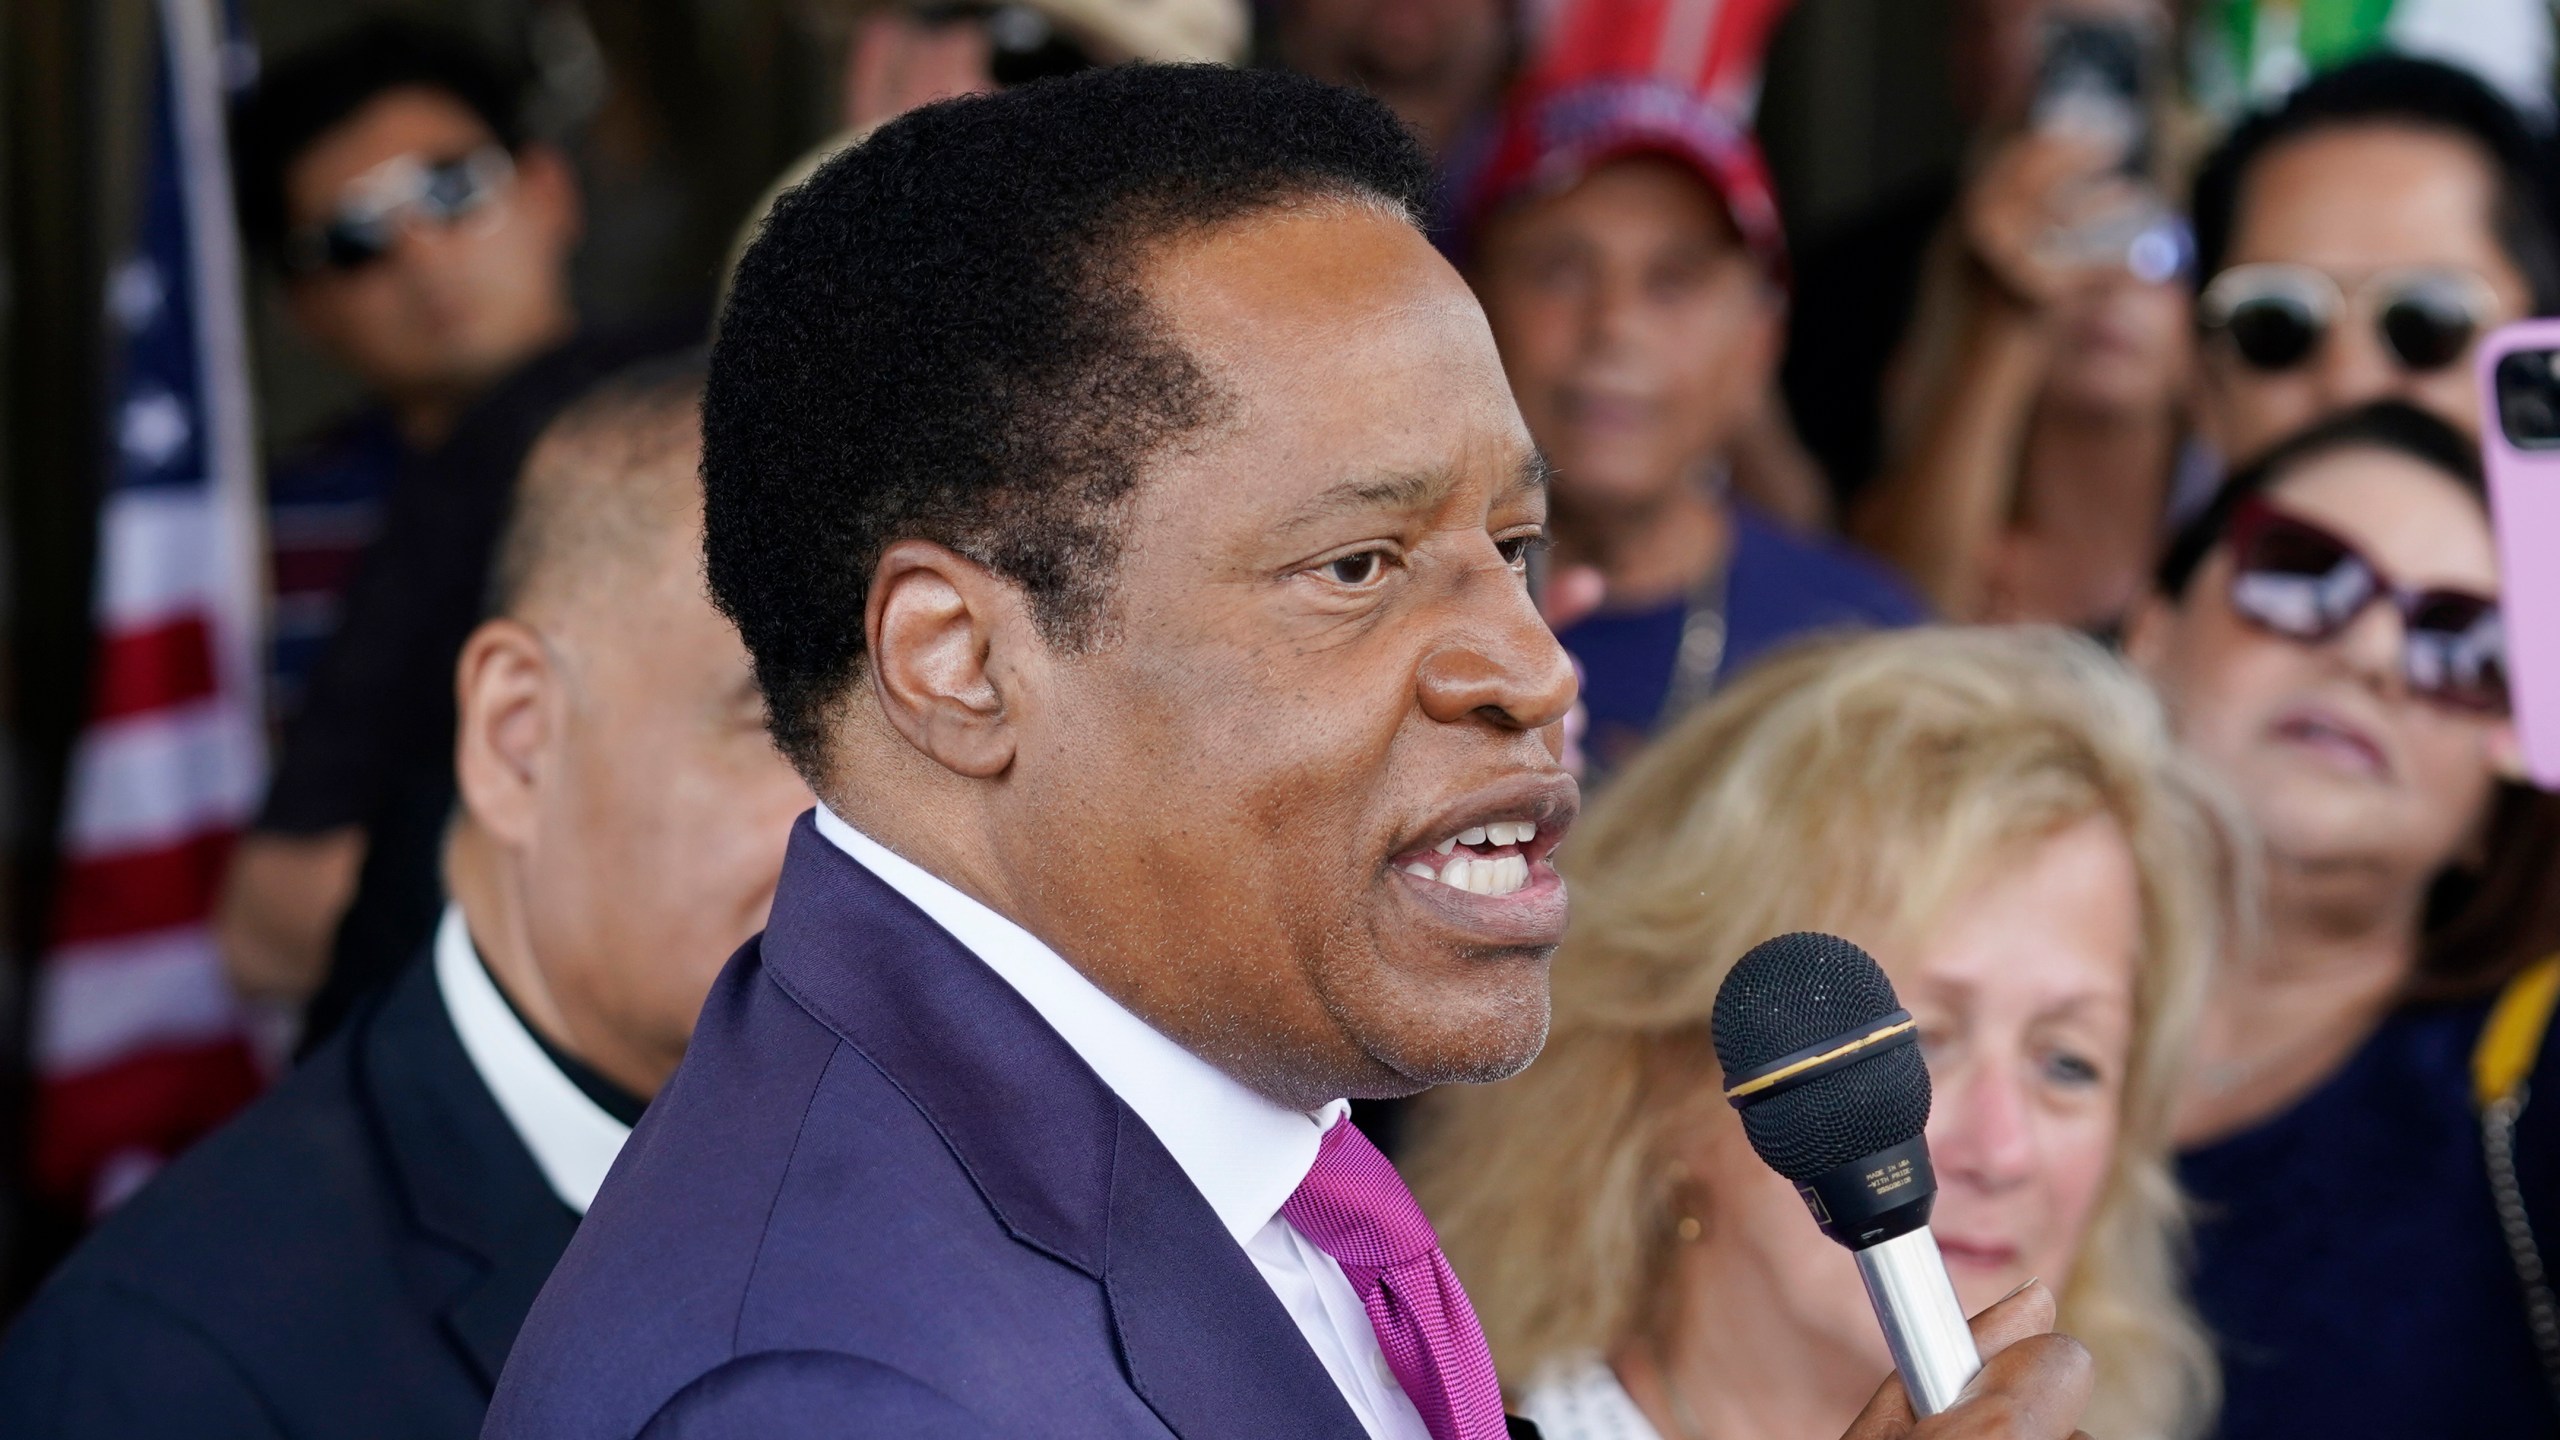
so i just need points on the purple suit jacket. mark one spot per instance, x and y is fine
(882, 1197)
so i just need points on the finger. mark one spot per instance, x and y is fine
(2025, 1311)
(2037, 162)
(2034, 1389)
(2052, 158)
(1887, 1416)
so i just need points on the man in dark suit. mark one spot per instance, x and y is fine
(1127, 515)
(353, 1255)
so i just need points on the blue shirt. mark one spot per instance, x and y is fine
(2349, 1260)
(1779, 586)
(324, 506)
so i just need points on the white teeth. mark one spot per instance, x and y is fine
(1448, 845)
(1473, 835)
(1499, 875)
(1511, 832)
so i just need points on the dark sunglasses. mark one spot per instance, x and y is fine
(2297, 580)
(396, 193)
(2277, 315)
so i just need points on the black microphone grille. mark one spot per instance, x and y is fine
(1805, 995)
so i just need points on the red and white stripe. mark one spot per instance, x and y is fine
(1712, 48)
(139, 1046)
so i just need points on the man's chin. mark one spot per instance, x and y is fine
(1488, 1046)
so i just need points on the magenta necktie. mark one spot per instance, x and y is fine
(1354, 1207)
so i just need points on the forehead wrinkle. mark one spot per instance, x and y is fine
(1408, 490)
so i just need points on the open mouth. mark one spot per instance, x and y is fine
(1489, 859)
(1480, 874)
(2340, 743)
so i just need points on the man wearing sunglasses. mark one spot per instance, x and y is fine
(2356, 241)
(422, 243)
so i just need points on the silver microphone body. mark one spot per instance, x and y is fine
(1924, 1327)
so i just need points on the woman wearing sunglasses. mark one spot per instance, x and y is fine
(2326, 637)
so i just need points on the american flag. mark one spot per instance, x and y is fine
(139, 1045)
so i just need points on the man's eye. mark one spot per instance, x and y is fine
(1357, 570)
(1517, 550)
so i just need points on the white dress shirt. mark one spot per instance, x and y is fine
(1246, 1154)
(572, 1139)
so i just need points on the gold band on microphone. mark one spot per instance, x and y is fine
(1870, 1040)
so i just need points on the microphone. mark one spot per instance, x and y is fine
(1824, 1065)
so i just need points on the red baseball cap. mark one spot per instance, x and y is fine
(1549, 137)
(1614, 78)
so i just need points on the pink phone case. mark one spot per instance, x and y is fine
(2524, 496)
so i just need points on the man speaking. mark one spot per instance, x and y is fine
(1127, 516)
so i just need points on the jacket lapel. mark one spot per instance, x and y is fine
(1067, 1168)
(471, 1186)
(1206, 1342)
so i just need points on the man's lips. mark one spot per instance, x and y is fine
(1483, 866)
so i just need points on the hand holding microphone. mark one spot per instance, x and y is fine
(1825, 1068)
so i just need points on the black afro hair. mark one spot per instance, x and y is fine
(942, 335)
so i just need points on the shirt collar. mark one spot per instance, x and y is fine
(1245, 1153)
(572, 1139)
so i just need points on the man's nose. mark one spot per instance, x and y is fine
(1617, 313)
(1505, 668)
(2353, 367)
(1979, 1126)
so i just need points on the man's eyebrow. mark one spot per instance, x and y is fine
(1406, 491)
(1410, 490)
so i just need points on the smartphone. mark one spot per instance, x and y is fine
(2097, 79)
(2096, 76)
(2519, 371)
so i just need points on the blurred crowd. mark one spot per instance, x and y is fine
(2071, 578)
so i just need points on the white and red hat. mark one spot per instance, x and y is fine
(1676, 78)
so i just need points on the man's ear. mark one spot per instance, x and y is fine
(507, 698)
(946, 639)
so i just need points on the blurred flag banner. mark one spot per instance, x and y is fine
(138, 1044)
(2250, 52)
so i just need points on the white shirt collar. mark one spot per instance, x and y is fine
(1245, 1153)
(572, 1139)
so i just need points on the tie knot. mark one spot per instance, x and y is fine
(1354, 1207)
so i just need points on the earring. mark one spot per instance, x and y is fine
(1689, 1229)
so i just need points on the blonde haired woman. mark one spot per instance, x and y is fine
(2000, 817)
